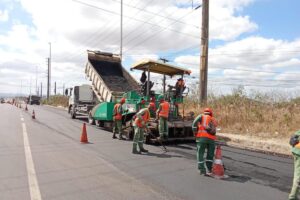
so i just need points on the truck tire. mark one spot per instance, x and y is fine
(72, 113)
(91, 120)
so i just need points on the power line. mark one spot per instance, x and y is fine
(248, 70)
(164, 28)
(115, 13)
(157, 14)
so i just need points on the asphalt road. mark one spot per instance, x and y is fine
(43, 159)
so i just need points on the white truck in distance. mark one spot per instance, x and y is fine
(81, 100)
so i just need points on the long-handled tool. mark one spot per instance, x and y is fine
(159, 141)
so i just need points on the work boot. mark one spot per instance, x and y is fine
(121, 137)
(114, 136)
(134, 151)
(144, 150)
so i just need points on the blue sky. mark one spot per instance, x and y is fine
(248, 39)
(277, 19)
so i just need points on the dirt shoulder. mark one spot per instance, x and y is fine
(270, 146)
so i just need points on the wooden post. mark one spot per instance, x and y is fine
(204, 51)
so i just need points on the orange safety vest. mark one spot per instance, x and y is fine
(117, 114)
(164, 112)
(202, 133)
(297, 145)
(145, 118)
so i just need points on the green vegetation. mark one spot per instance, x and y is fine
(257, 114)
(57, 100)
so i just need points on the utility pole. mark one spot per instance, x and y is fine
(121, 32)
(164, 79)
(21, 87)
(36, 87)
(49, 73)
(55, 88)
(204, 51)
(41, 89)
(30, 86)
(63, 92)
(48, 80)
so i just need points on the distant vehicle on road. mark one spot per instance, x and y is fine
(2, 100)
(33, 99)
(81, 100)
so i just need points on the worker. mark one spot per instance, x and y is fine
(141, 103)
(296, 153)
(117, 118)
(152, 111)
(179, 87)
(204, 128)
(143, 77)
(140, 127)
(163, 113)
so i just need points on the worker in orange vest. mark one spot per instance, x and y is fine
(117, 117)
(296, 153)
(163, 114)
(140, 127)
(204, 128)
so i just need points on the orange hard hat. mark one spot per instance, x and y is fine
(151, 105)
(122, 100)
(208, 111)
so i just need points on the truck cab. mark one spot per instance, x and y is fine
(81, 100)
(33, 99)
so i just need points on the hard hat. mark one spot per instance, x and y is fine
(208, 111)
(122, 100)
(151, 105)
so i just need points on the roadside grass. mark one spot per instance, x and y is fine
(263, 115)
(57, 100)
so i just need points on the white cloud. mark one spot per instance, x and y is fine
(3, 15)
(73, 28)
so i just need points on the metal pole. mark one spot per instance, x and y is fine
(36, 87)
(164, 79)
(121, 32)
(41, 89)
(30, 87)
(204, 51)
(55, 88)
(148, 84)
(48, 80)
(49, 68)
(63, 92)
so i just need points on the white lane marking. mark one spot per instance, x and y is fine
(35, 193)
(22, 119)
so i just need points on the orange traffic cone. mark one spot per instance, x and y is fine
(26, 109)
(84, 138)
(218, 168)
(33, 115)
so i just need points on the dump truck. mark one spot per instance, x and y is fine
(110, 82)
(81, 100)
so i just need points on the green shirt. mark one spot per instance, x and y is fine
(294, 149)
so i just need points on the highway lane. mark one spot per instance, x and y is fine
(106, 169)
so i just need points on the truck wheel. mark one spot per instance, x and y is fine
(91, 120)
(72, 113)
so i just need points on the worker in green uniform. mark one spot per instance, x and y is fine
(163, 113)
(204, 128)
(117, 118)
(140, 127)
(296, 182)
